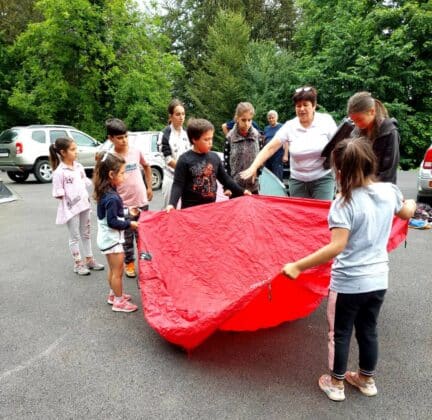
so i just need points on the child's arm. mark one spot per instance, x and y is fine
(57, 185)
(408, 209)
(230, 186)
(178, 184)
(114, 208)
(166, 149)
(148, 179)
(339, 239)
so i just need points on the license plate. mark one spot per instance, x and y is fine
(4, 154)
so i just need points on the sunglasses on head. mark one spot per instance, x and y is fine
(303, 89)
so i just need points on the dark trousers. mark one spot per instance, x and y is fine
(276, 166)
(359, 311)
(131, 236)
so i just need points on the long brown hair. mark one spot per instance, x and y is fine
(363, 102)
(55, 149)
(355, 165)
(106, 162)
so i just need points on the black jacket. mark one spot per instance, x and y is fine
(386, 148)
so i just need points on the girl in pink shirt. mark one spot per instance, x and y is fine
(69, 187)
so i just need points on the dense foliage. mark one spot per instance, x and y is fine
(80, 61)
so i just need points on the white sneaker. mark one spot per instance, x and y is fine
(332, 391)
(367, 387)
(81, 270)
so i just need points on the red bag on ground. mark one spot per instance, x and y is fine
(217, 266)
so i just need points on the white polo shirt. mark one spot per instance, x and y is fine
(306, 145)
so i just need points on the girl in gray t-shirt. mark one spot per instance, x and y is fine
(360, 220)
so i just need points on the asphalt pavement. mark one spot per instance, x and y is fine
(65, 355)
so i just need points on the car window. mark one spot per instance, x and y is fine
(39, 136)
(8, 136)
(82, 139)
(55, 134)
(154, 146)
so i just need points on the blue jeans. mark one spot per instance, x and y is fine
(276, 166)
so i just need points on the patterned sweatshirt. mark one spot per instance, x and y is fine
(239, 153)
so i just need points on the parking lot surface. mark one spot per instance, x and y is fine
(65, 354)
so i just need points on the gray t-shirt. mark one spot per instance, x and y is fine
(363, 265)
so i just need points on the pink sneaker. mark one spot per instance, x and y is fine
(110, 299)
(124, 306)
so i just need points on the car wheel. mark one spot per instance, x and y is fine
(43, 171)
(156, 178)
(18, 176)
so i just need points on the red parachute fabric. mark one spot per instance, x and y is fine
(217, 266)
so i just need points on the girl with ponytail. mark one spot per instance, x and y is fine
(371, 120)
(360, 220)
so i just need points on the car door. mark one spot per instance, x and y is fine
(87, 148)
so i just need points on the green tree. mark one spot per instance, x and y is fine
(187, 22)
(15, 16)
(217, 87)
(383, 47)
(73, 66)
(271, 75)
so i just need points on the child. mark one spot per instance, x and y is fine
(109, 174)
(242, 146)
(360, 220)
(132, 191)
(172, 143)
(370, 118)
(69, 186)
(197, 170)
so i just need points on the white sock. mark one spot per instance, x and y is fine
(117, 299)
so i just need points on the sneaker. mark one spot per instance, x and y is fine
(332, 391)
(81, 270)
(130, 269)
(94, 265)
(110, 299)
(124, 306)
(366, 387)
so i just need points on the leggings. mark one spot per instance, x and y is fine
(79, 230)
(344, 312)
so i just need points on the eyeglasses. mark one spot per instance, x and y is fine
(303, 89)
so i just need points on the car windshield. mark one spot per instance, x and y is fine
(8, 136)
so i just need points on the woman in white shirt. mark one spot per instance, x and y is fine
(306, 136)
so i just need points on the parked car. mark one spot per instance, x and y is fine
(424, 178)
(25, 150)
(146, 142)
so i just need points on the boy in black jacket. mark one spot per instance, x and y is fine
(198, 169)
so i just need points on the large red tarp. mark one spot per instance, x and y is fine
(217, 266)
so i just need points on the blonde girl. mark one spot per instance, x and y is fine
(241, 146)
